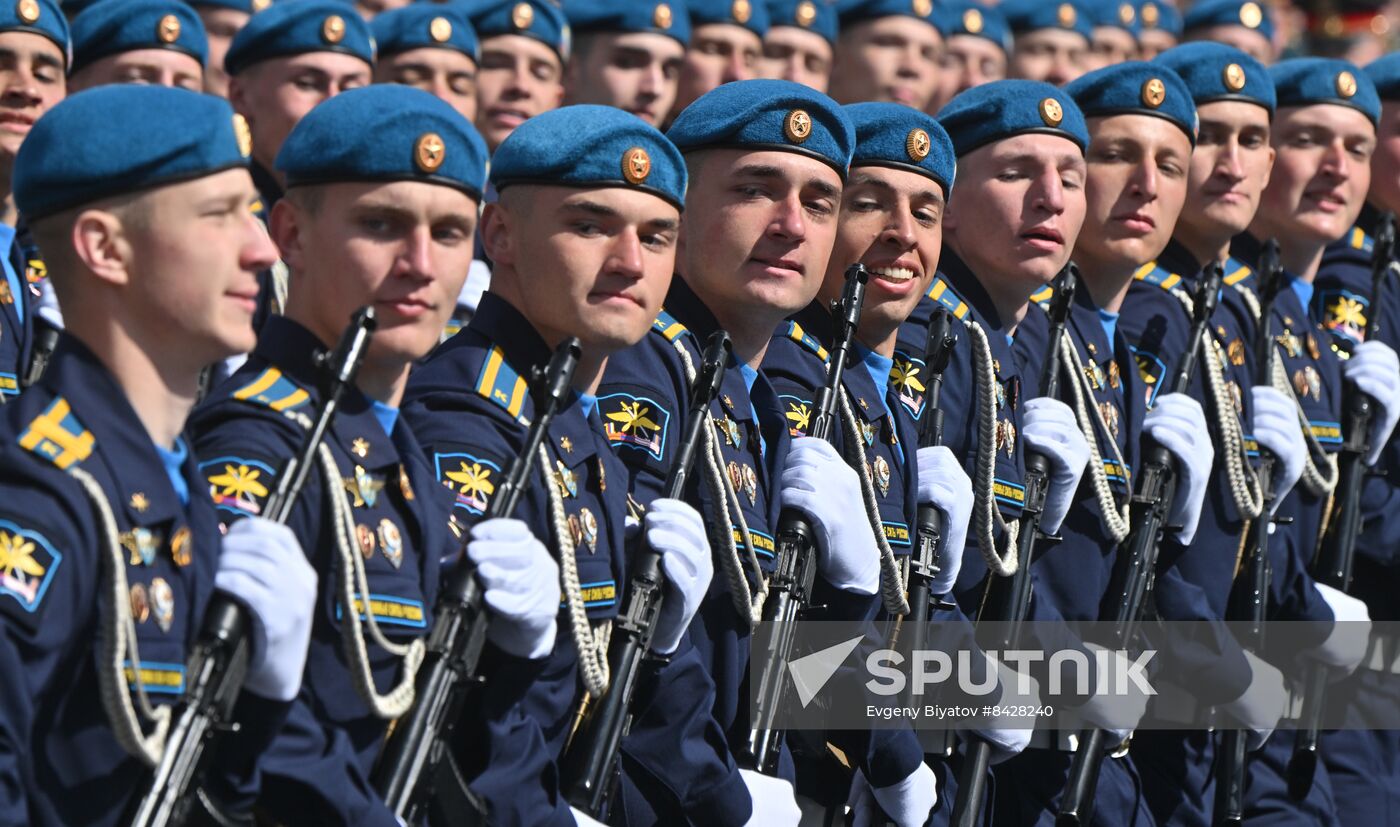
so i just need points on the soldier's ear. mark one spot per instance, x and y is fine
(496, 234)
(285, 226)
(100, 242)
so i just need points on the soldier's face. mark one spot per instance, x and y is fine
(1249, 41)
(798, 55)
(519, 78)
(1110, 47)
(31, 82)
(719, 53)
(446, 73)
(403, 247)
(968, 62)
(1385, 164)
(892, 222)
(1017, 210)
(1153, 42)
(758, 231)
(1136, 186)
(275, 94)
(153, 67)
(203, 227)
(1055, 56)
(589, 263)
(893, 59)
(220, 24)
(1320, 176)
(1229, 170)
(637, 72)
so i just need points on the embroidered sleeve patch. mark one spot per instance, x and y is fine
(472, 479)
(798, 412)
(1151, 369)
(907, 378)
(239, 485)
(636, 422)
(28, 562)
(1344, 315)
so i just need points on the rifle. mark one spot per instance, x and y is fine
(590, 760)
(1335, 553)
(790, 588)
(1008, 598)
(415, 756)
(220, 658)
(1132, 578)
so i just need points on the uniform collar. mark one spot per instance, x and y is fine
(956, 272)
(1369, 219)
(1177, 259)
(689, 310)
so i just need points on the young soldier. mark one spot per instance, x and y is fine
(525, 45)
(627, 55)
(976, 49)
(726, 44)
(798, 46)
(222, 20)
(1115, 36)
(1161, 28)
(1247, 26)
(1052, 40)
(584, 240)
(157, 42)
(112, 549)
(432, 48)
(383, 187)
(889, 50)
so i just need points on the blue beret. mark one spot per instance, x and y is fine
(1006, 108)
(668, 17)
(385, 132)
(425, 25)
(123, 138)
(855, 11)
(767, 114)
(1250, 14)
(1216, 72)
(295, 28)
(1030, 15)
(1114, 14)
(971, 18)
(41, 17)
(891, 135)
(1136, 88)
(536, 19)
(1154, 14)
(111, 27)
(751, 14)
(249, 6)
(1307, 81)
(590, 146)
(814, 15)
(1384, 72)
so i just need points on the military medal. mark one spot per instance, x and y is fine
(180, 550)
(405, 487)
(1001, 395)
(1109, 412)
(1006, 437)
(1237, 397)
(868, 432)
(882, 475)
(391, 541)
(162, 603)
(736, 477)
(141, 544)
(602, 476)
(1115, 375)
(1094, 374)
(1236, 352)
(140, 604)
(568, 483)
(1313, 351)
(588, 527)
(750, 484)
(365, 535)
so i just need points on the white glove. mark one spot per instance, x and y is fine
(1115, 713)
(263, 566)
(817, 482)
(774, 802)
(1049, 427)
(1012, 735)
(907, 803)
(521, 581)
(1374, 369)
(1179, 425)
(676, 531)
(583, 819)
(944, 483)
(1276, 427)
(1345, 646)
(1262, 704)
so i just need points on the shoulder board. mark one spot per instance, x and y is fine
(1150, 273)
(1236, 271)
(500, 383)
(1043, 296)
(273, 390)
(795, 332)
(940, 292)
(57, 436)
(1359, 239)
(667, 326)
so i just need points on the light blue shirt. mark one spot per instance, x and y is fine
(879, 368)
(387, 417)
(588, 402)
(17, 285)
(750, 376)
(1304, 289)
(1110, 326)
(172, 459)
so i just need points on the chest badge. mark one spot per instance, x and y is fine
(584, 527)
(180, 550)
(162, 603)
(141, 544)
(391, 541)
(882, 475)
(364, 535)
(750, 484)
(568, 483)
(364, 488)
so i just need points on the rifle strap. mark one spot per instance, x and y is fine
(1115, 516)
(986, 517)
(891, 583)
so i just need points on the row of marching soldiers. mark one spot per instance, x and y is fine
(334, 492)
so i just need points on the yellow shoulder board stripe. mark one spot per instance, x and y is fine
(806, 340)
(1358, 239)
(501, 384)
(1237, 276)
(273, 390)
(1152, 274)
(944, 295)
(1043, 296)
(57, 435)
(667, 326)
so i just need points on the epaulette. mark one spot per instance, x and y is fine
(667, 326)
(1043, 296)
(1359, 239)
(795, 332)
(57, 435)
(1150, 273)
(501, 384)
(274, 391)
(1238, 271)
(940, 292)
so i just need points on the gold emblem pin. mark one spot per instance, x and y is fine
(741, 11)
(140, 502)
(429, 152)
(522, 15)
(1251, 15)
(797, 126)
(243, 134)
(259, 5)
(1126, 13)
(1151, 16)
(27, 11)
(636, 165)
(440, 29)
(361, 447)
(168, 29)
(917, 144)
(1346, 84)
(662, 17)
(1234, 77)
(180, 550)
(923, 8)
(972, 21)
(1051, 112)
(805, 14)
(333, 30)
(1154, 92)
(1066, 15)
